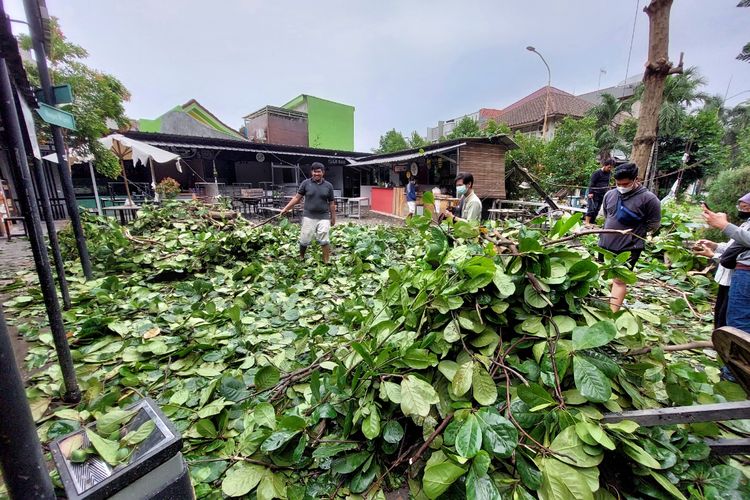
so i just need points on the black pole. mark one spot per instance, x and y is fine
(37, 38)
(24, 471)
(51, 231)
(24, 188)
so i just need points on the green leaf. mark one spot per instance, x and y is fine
(667, 485)
(591, 382)
(596, 335)
(640, 455)
(331, 450)
(483, 387)
(364, 478)
(462, 379)
(504, 283)
(393, 432)
(627, 426)
(530, 475)
(241, 478)
(371, 424)
(448, 369)
(480, 487)
(499, 435)
(534, 298)
(362, 351)
(276, 440)
(417, 396)
(267, 377)
(560, 481)
(481, 463)
(233, 389)
(113, 420)
(428, 198)
(144, 431)
(206, 428)
(265, 415)
(271, 486)
(570, 449)
(583, 270)
(438, 478)
(535, 396)
(350, 463)
(390, 392)
(419, 359)
(469, 438)
(104, 447)
(451, 333)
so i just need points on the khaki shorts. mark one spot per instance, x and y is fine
(317, 228)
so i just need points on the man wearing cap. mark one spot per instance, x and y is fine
(738, 302)
(629, 206)
(319, 213)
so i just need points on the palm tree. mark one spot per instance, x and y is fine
(680, 92)
(607, 114)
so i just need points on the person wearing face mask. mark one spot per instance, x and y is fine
(723, 254)
(738, 299)
(629, 206)
(470, 206)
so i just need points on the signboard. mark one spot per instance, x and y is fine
(400, 168)
(63, 94)
(54, 116)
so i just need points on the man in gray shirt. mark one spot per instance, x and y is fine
(629, 206)
(319, 213)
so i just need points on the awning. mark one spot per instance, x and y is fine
(247, 150)
(406, 157)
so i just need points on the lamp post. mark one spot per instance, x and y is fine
(549, 82)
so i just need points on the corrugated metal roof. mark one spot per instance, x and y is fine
(250, 149)
(411, 156)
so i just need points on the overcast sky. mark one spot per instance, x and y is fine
(402, 64)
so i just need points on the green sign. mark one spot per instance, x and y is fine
(54, 116)
(63, 94)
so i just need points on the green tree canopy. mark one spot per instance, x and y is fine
(605, 115)
(416, 140)
(570, 157)
(391, 141)
(98, 97)
(467, 127)
(494, 128)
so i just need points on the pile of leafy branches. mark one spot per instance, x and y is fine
(457, 362)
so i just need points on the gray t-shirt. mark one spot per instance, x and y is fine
(318, 197)
(641, 201)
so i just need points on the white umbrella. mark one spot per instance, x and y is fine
(125, 148)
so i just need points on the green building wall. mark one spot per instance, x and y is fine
(330, 125)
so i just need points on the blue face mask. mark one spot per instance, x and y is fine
(460, 190)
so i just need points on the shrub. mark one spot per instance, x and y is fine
(729, 187)
(168, 188)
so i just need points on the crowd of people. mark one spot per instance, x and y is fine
(631, 213)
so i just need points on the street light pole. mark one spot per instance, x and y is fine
(549, 83)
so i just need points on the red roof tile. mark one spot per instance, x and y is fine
(530, 109)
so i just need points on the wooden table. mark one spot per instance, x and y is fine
(503, 213)
(125, 212)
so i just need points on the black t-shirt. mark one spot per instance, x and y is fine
(318, 197)
(599, 182)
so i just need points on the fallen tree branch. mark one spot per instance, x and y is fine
(440, 428)
(585, 232)
(698, 344)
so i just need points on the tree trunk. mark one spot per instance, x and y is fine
(657, 69)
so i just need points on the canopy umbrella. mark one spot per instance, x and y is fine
(125, 148)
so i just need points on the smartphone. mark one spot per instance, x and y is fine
(706, 205)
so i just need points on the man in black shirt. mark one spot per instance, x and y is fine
(598, 186)
(319, 213)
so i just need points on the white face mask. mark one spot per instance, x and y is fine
(623, 190)
(461, 190)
